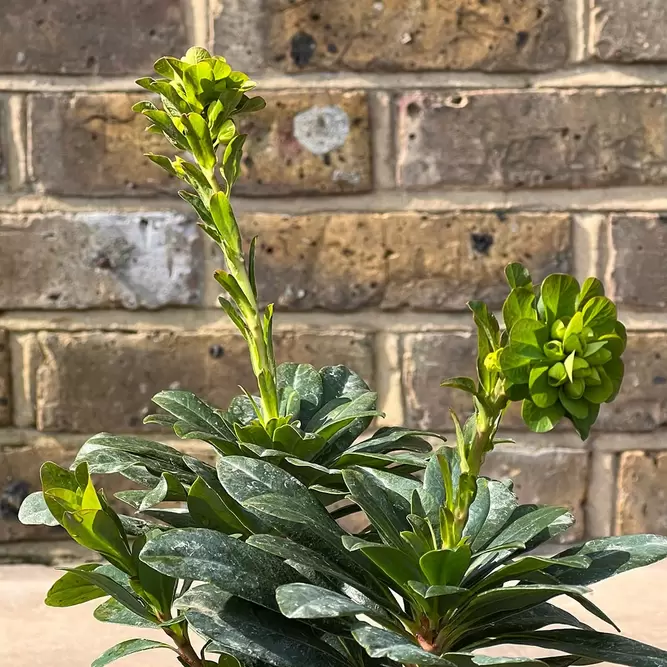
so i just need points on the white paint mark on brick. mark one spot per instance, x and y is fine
(322, 129)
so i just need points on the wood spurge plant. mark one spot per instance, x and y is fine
(251, 554)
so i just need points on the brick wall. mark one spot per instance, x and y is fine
(409, 150)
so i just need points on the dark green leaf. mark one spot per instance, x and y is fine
(210, 556)
(128, 647)
(591, 644)
(255, 633)
(489, 512)
(611, 555)
(381, 643)
(308, 601)
(308, 384)
(541, 420)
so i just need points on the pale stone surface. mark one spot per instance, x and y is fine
(100, 260)
(635, 600)
(638, 250)
(545, 476)
(430, 262)
(307, 143)
(367, 35)
(629, 30)
(89, 382)
(642, 493)
(79, 37)
(532, 139)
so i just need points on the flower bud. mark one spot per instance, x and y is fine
(593, 379)
(575, 389)
(557, 374)
(587, 335)
(558, 329)
(492, 362)
(553, 350)
(580, 368)
(600, 357)
(573, 344)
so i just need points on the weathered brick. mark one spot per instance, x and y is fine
(429, 358)
(639, 270)
(3, 148)
(19, 476)
(641, 501)
(80, 37)
(89, 382)
(629, 30)
(394, 35)
(5, 387)
(400, 260)
(100, 260)
(532, 139)
(307, 143)
(440, 262)
(545, 476)
(642, 402)
(93, 145)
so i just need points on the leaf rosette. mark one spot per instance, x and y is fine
(562, 352)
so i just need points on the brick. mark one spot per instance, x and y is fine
(545, 476)
(394, 35)
(93, 145)
(100, 260)
(440, 262)
(629, 30)
(88, 382)
(429, 358)
(5, 386)
(532, 139)
(4, 135)
(79, 37)
(19, 476)
(642, 402)
(642, 493)
(399, 260)
(307, 143)
(638, 270)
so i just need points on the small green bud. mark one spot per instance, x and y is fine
(587, 334)
(575, 389)
(573, 344)
(557, 374)
(553, 350)
(600, 357)
(593, 379)
(492, 362)
(580, 368)
(558, 330)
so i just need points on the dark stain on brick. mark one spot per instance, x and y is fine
(501, 215)
(481, 243)
(302, 49)
(11, 498)
(216, 351)
(659, 379)
(522, 39)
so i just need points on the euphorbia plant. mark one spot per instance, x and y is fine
(254, 559)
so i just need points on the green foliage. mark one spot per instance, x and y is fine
(443, 561)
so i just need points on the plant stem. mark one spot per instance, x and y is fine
(180, 637)
(264, 367)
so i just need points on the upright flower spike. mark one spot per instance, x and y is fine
(562, 355)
